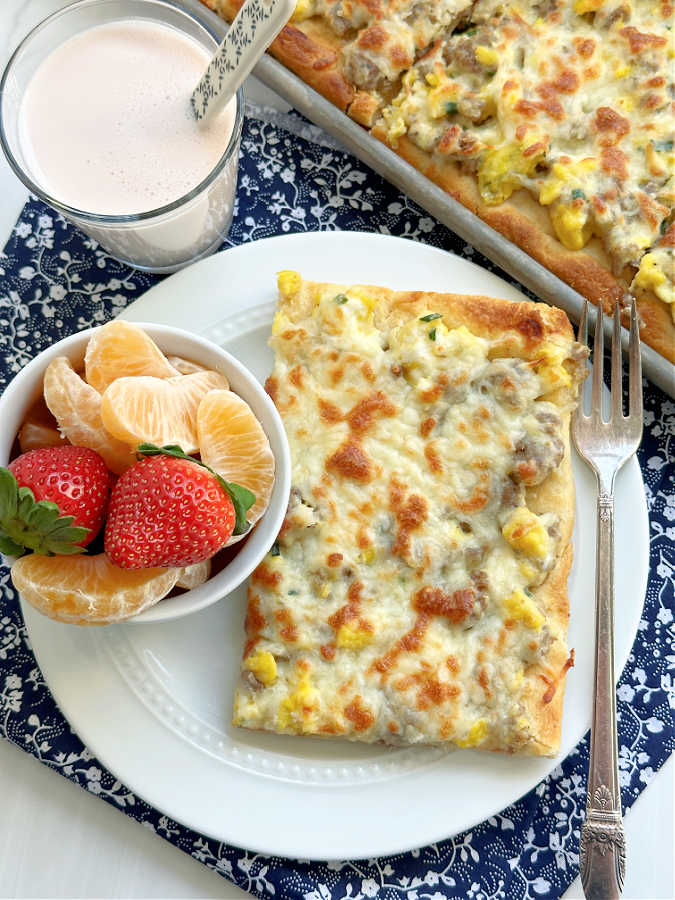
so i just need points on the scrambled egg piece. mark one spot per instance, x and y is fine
(263, 665)
(501, 170)
(477, 734)
(352, 637)
(297, 712)
(572, 226)
(651, 276)
(551, 370)
(523, 609)
(524, 531)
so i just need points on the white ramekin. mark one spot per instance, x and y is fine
(26, 387)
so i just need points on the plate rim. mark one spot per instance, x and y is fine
(374, 849)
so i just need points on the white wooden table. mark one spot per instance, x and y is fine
(58, 841)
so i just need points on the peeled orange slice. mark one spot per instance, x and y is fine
(156, 410)
(185, 366)
(194, 575)
(88, 590)
(36, 436)
(76, 406)
(233, 443)
(120, 349)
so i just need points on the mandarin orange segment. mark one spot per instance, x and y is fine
(121, 349)
(156, 410)
(194, 575)
(88, 590)
(233, 443)
(36, 436)
(185, 366)
(76, 406)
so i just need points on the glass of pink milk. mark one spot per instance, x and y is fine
(95, 119)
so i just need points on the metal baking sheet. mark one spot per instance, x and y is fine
(442, 206)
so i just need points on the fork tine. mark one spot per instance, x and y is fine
(582, 334)
(598, 365)
(617, 374)
(634, 366)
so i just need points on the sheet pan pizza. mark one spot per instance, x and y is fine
(552, 120)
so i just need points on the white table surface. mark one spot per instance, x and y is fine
(56, 840)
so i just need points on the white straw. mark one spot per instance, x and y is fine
(254, 28)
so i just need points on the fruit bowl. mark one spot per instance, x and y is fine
(25, 389)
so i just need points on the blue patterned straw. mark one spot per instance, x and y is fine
(255, 26)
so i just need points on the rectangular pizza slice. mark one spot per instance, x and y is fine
(417, 591)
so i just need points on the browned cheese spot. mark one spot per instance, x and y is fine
(410, 514)
(410, 642)
(433, 458)
(288, 629)
(455, 607)
(351, 610)
(295, 376)
(328, 412)
(359, 714)
(364, 414)
(436, 392)
(640, 41)
(427, 426)
(367, 371)
(265, 576)
(351, 461)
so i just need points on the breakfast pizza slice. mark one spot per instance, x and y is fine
(417, 591)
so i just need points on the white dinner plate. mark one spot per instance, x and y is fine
(153, 702)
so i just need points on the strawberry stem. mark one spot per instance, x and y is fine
(242, 499)
(30, 524)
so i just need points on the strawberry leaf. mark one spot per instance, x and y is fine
(30, 524)
(242, 499)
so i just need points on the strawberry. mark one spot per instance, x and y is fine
(52, 500)
(167, 510)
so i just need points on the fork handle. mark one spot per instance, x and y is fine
(603, 844)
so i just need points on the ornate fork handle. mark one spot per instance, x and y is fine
(603, 842)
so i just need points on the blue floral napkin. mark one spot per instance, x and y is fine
(54, 281)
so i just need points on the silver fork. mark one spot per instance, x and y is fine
(606, 446)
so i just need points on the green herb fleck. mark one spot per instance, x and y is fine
(430, 317)
(578, 194)
(451, 107)
(663, 227)
(432, 334)
(528, 592)
(292, 593)
(470, 32)
(275, 549)
(340, 299)
(666, 146)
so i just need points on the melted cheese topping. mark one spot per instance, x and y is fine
(573, 103)
(398, 603)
